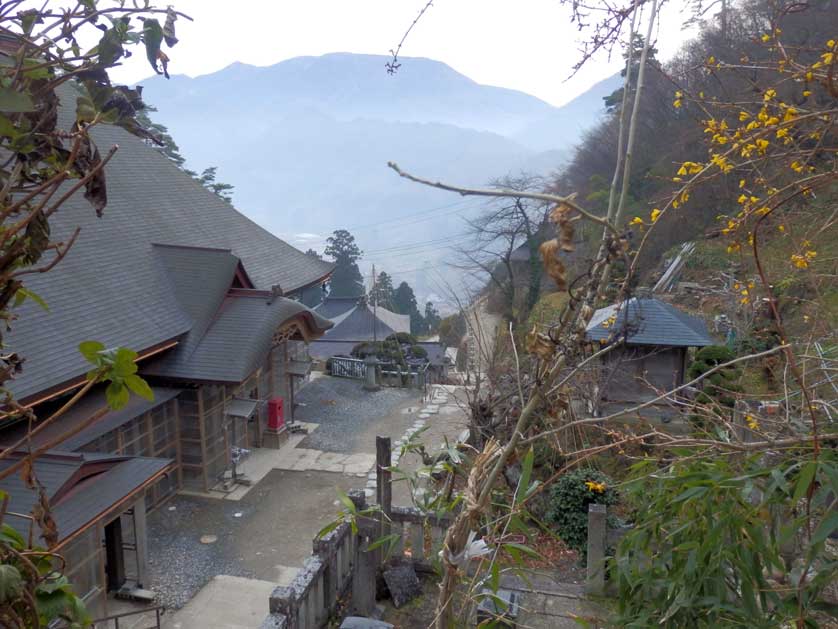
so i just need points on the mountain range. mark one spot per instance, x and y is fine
(306, 141)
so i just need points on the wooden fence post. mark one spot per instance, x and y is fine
(595, 582)
(384, 487)
(365, 568)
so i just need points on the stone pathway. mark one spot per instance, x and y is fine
(225, 603)
(440, 418)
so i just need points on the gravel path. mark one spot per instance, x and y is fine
(346, 414)
(270, 528)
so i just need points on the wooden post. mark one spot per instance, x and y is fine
(365, 568)
(203, 433)
(141, 541)
(595, 582)
(384, 487)
(178, 446)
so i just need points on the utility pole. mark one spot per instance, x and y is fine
(374, 307)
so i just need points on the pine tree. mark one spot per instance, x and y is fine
(346, 279)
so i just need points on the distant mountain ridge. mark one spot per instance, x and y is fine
(306, 142)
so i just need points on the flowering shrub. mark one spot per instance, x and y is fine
(569, 500)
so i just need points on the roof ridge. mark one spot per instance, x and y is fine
(176, 246)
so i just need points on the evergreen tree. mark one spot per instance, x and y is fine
(346, 279)
(382, 292)
(404, 302)
(432, 318)
(207, 179)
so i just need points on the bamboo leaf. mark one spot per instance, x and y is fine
(804, 480)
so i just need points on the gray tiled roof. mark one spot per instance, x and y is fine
(648, 322)
(60, 472)
(235, 342)
(111, 287)
(84, 409)
(355, 322)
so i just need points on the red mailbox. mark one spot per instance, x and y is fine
(276, 414)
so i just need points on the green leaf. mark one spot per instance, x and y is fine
(389, 540)
(152, 37)
(139, 387)
(346, 500)
(85, 109)
(494, 582)
(23, 293)
(11, 583)
(804, 480)
(10, 536)
(526, 473)
(91, 350)
(331, 526)
(524, 549)
(14, 101)
(117, 395)
(692, 492)
(826, 527)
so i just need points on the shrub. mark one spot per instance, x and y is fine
(401, 338)
(418, 351)
(569, 500)
(718, 385)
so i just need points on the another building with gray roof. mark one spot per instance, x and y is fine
(653, 339)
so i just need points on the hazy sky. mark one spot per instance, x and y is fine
(528, 45)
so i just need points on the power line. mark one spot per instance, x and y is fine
(422, 213)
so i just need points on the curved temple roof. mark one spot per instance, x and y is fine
(648, 321)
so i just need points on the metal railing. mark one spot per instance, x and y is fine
(113, 622)
(348, 367)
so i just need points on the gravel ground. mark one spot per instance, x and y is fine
(275, 525)
(346, 413)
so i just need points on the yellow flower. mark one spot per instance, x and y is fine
(741, 183)
(807, 93)
(733, 247)
(766, 37)
(781, 133)
(796, 166)
(743, 116)
(636, 221)
(595, 486)
(791, 113)
(654, 215)
(742, 198)
(762, 145)
(799, 261)
(827, 58)
(769, 94)
(809, 75)
(753, 424)
(811, 255)
(711, 60)
(676, 103)
(782, 228)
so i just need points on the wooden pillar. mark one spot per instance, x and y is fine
(365, 568)
(178, 446)
(141, 541)
(384, 487)
(203, 433)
